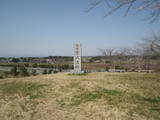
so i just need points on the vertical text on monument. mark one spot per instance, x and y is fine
(77, 58)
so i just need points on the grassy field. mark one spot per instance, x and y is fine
(93, 96)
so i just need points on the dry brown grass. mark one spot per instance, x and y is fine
(94, 96)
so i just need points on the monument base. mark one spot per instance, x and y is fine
(76, 72)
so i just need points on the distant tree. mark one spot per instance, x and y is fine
(125, 52)
(152, 7)
(59, 68)
(50, 57)
(15, 60)
(108, 54)
(150, 49)
(151, 45)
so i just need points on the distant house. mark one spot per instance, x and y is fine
(3, 61)
(97, 61)
(86, 59)
(50, 61)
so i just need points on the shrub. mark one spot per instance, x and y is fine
(23, 71)
(65, 66)
(55, 71)
(107, 68)
(14, 71)
(35, 65)
(44, 71)
(6, 74)
(118, 67)
(26, 65)
(72, 67)
(1, 77)
(50, 71)
(108, 62)
(34, 72)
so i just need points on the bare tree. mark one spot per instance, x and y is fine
(151, 45)
(148, 52)
(126, 51)
(123, 54)
(108, 53)
(155, 45)
(151, 6)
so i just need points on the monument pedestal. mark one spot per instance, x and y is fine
(76, 72)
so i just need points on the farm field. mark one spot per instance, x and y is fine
(93, 96)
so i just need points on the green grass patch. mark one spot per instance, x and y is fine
(85, 97)
(24, 89)
(111, 92)
(78, 74)
(153, 100)
(94, 95)
(61, 103)
(155, 109)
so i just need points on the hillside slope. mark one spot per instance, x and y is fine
(94, 96)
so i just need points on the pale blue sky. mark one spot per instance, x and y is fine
(51, 27)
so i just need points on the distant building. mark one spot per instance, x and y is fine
(51, 61)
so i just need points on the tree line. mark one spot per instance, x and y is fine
(145, 56)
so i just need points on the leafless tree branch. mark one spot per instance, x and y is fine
(152, 6)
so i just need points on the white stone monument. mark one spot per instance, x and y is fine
(77, 58)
